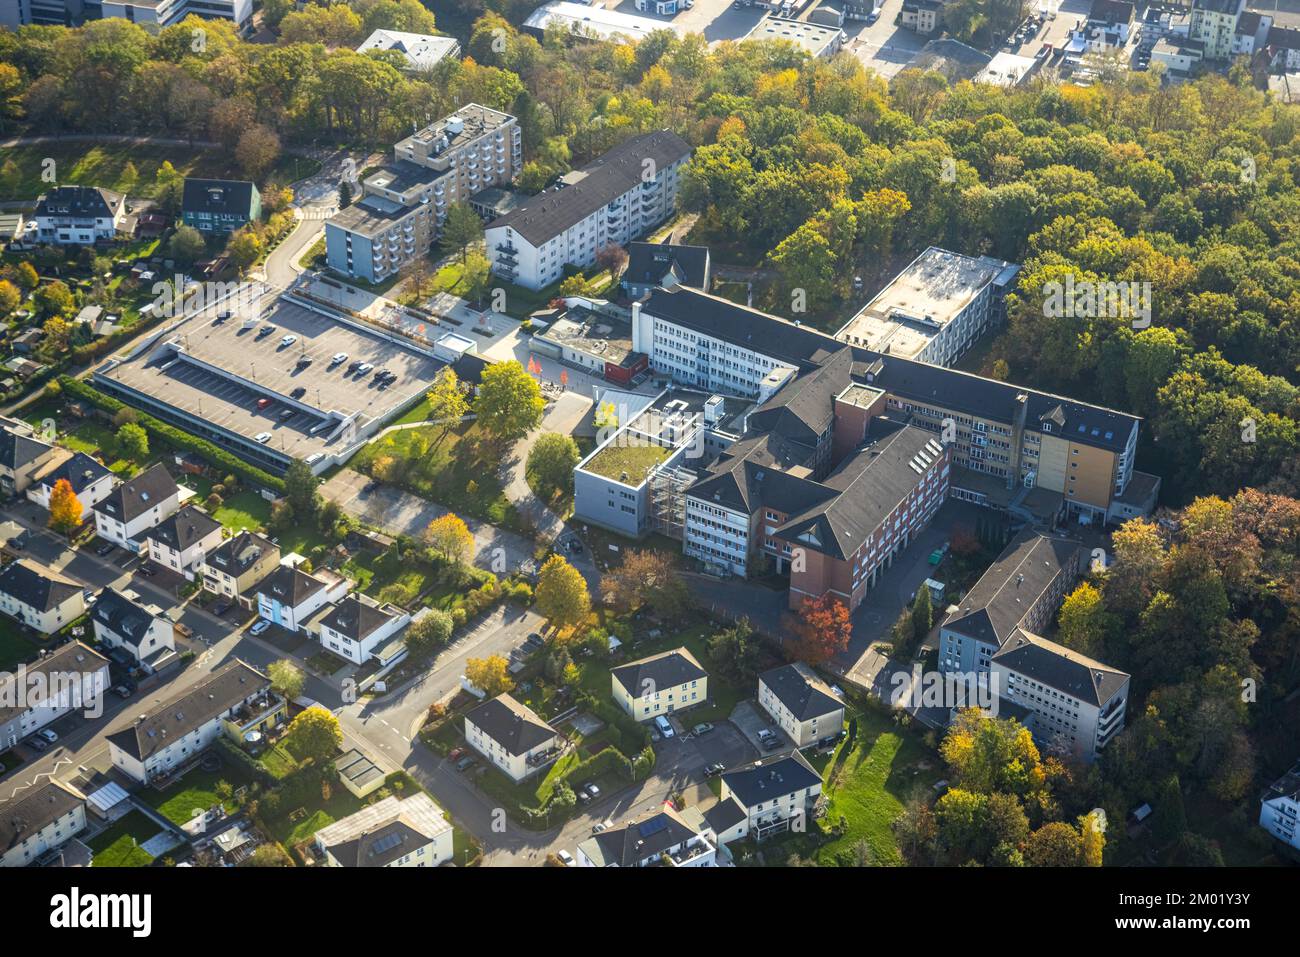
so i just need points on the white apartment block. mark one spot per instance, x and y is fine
(358, 627)
(289, 596)
(1214, 23)
(91, 482)
(660, 684)
(801, 704)
(774, 795)
(181, 541)
(511, 736)
(79, 215)
(161, 13)
(400, 212)
(40, 597)
(39, 820)
(73, 678)
(122, 620)
(136, 506)
(610, 201)
(1279, 811)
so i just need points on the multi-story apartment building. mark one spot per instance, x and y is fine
(40, 597)
(122, 620)
(79, 215)
(394, 832)
(161, 13)
(72, 678)
(289, 596)
(1022, 589)
(136, 506)
(774, 795)
(22, 456)
(358, 627)
(238, 563)
(181, 540)
(935, 309)
(1078, 703)
(402, 207)
(801, 704)
(610, 201)
(1214, 24)
(90, 479)
(39, 820)
(233, 700)
(511, 736)
(664, 837)
(660, 684)
(1279, 810)
(220, 206)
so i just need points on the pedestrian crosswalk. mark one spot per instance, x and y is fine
(316, 212)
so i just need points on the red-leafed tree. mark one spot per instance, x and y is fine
(822, 629)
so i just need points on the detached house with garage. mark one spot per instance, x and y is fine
(136, 506)
(233, 700)
(74, 677)
(38, 821)
(121, 620)
(181, 541)
(239, 563)
(511, 736)
(91, 481)
(358, 626)
(289, 596)
(660, 684)
(79, 215)
(661, 838)
(409, 832)
(218, 206)
(801, 704)
(40, 597)
(771, 796)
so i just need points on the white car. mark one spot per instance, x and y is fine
(262, 437)
(565, 858)
(338, 358)
(665, 729)
(288, 340)
(48, 735)
(261, 626)
(364, 369)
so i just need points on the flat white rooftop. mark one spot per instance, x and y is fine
(596, 21)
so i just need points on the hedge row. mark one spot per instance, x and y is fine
(174, 437)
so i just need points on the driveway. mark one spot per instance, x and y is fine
(563, 416)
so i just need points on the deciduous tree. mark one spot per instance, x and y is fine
(822, 629)
(450, 537)
(490, 675)
(561, 594)
(65, 507)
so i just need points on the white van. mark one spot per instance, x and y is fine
(665, 729)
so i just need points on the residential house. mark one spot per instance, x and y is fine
(1279, 809)
(776, 794)
(238, 563)
(234, 700)
(90, 479)
(1214, 24)
(511, 736)
(290, 596)
(22, 455)
(358, 626)
(136, 506)
(71, 678)
(801, 704)
(220, 206)
(660, 684)
(123, 620)
(40, 597)
(394, 832)
(660, 838)
(80, 215)
(922, 16)
(1108, 24)
(421, 51)
(609, 202)
(665, 265)
(38, 820)
(181, 541)
(153, 13)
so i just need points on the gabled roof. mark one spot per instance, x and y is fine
(35, 809)
(79, 201)
(78, 468)
(1111, 11)
(650, 263)
(1059, 668)
(218, 197)
(19, 449)
(290, 586)
(176, 717)
(1007, 590)
(136, 496)
(123, 616)
(803, 410)
(35, 585)
(184, 529)
(754, 472)
(668, 669)
(383, 832)
(72, 659)
(799, 689)
(647, 837)
(771, 778)
(356, 619)
(240, 552)
(582, 192)
(514, 726)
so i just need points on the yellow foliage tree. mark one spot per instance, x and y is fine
(491, 675)
(450, 537)
(561, 593)
(65, 507)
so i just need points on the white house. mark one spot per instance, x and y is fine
(90, 479)
(1279, 811)
(801, 704)
(38, 821)
(22, 455)
(289, 596)
(776, 794)
(136, 506)
(81, 215)
(72, 678)
(40, 597)
(122, 620)
(660, 838)
(409, 832)
(235, 699)
(511, 736)
(358, 626)
(183, 539)
(238, 563)
(660, 684)
(422, 51)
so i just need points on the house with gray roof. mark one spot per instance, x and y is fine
(664, 837)
(123, 620)
(777, 794)
(512, 737)
(79, 215)
(358, 627)
(136, 506)
(289, 596)
(38, 820)
(181, 541)
(801, 704)
(22, 455)
(40, 597)
(660, 684)
(73, 677)
(90, 479)
(394, 832)
(664, 265)
(220, 206)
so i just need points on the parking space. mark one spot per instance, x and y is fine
(757, 728)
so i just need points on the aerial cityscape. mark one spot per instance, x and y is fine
(658, 433)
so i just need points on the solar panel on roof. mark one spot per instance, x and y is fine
(652, 826)
(386, 843)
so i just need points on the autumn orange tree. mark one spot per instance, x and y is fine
(450, 537)
(65, 507)
(561, 594)
(822, 629)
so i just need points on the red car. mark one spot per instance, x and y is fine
(455, 753)
(263, 403)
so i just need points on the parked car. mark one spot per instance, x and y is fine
(353, 366)
(260, 626)
(262, 437)
(765, 734)
(263, 403)
(369, 487)
(338, 358)
(147, 570)
(121, 691)
(104, 549)
(266, 331)
(702, 728)
(286, 414)
(713, 770)
(464, 764)
(364, 369)
(565, 858)
(298, 393)
(771, 744)
(455, 754)
(220, 608)
(664, 728)
(599, 827)
(48, 735)
(286, 341)
(37, 744)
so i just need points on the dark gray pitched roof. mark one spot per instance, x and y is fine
(380, 847)
(804, 409)
(752, 472)
(1111, 11)
(185, 528)
(668, 669)
(73, 658)
(32, 810)
(646, 837)
(510, 724)
(236, 554)
(178, 716)
(18, 451)
(725, 815)
(1002, 597)
(80, 201)
(355, 619)
(541, 217)
(122, 616)
(1059, 667)
(806, 695)
(649, 263)
(36, 585)
(80, 470)
(223, 197)
(290, 586)
(771, 778)
(136, 496)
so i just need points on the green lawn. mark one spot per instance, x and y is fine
(244, 510)
(119, 845)
(15, 650)
(315, 814)
(278, 762)
(634, 461)
(198, 789)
